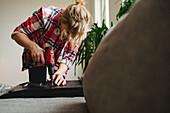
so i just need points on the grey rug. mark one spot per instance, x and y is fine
(43, 105)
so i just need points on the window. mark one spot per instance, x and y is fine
(101, 12)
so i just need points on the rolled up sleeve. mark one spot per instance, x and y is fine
(67, 55)
(31, 25)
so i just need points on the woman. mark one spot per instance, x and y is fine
(50, 26)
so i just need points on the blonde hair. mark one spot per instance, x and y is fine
(75, 20)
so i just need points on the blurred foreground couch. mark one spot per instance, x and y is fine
(129, 73)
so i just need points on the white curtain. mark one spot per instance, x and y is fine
(101, 11)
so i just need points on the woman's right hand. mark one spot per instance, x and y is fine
(37, 54)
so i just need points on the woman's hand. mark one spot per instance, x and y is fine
(37, 54)
(59, 79)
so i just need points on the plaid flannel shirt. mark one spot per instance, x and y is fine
(42, 28)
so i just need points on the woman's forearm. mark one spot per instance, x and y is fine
(62, 68)
(24, 41)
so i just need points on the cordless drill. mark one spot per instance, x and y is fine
(49, 60)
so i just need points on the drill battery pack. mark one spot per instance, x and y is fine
(27, 60)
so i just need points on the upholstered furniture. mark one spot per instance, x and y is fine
(130, 71)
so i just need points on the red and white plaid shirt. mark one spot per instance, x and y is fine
(42, 28)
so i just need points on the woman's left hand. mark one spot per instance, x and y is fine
(59, 79)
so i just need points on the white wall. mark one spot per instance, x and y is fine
(13, 12)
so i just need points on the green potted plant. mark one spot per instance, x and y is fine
(94, 36)
(89, 45)
(125, 6)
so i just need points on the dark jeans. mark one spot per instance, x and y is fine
(38, 74)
